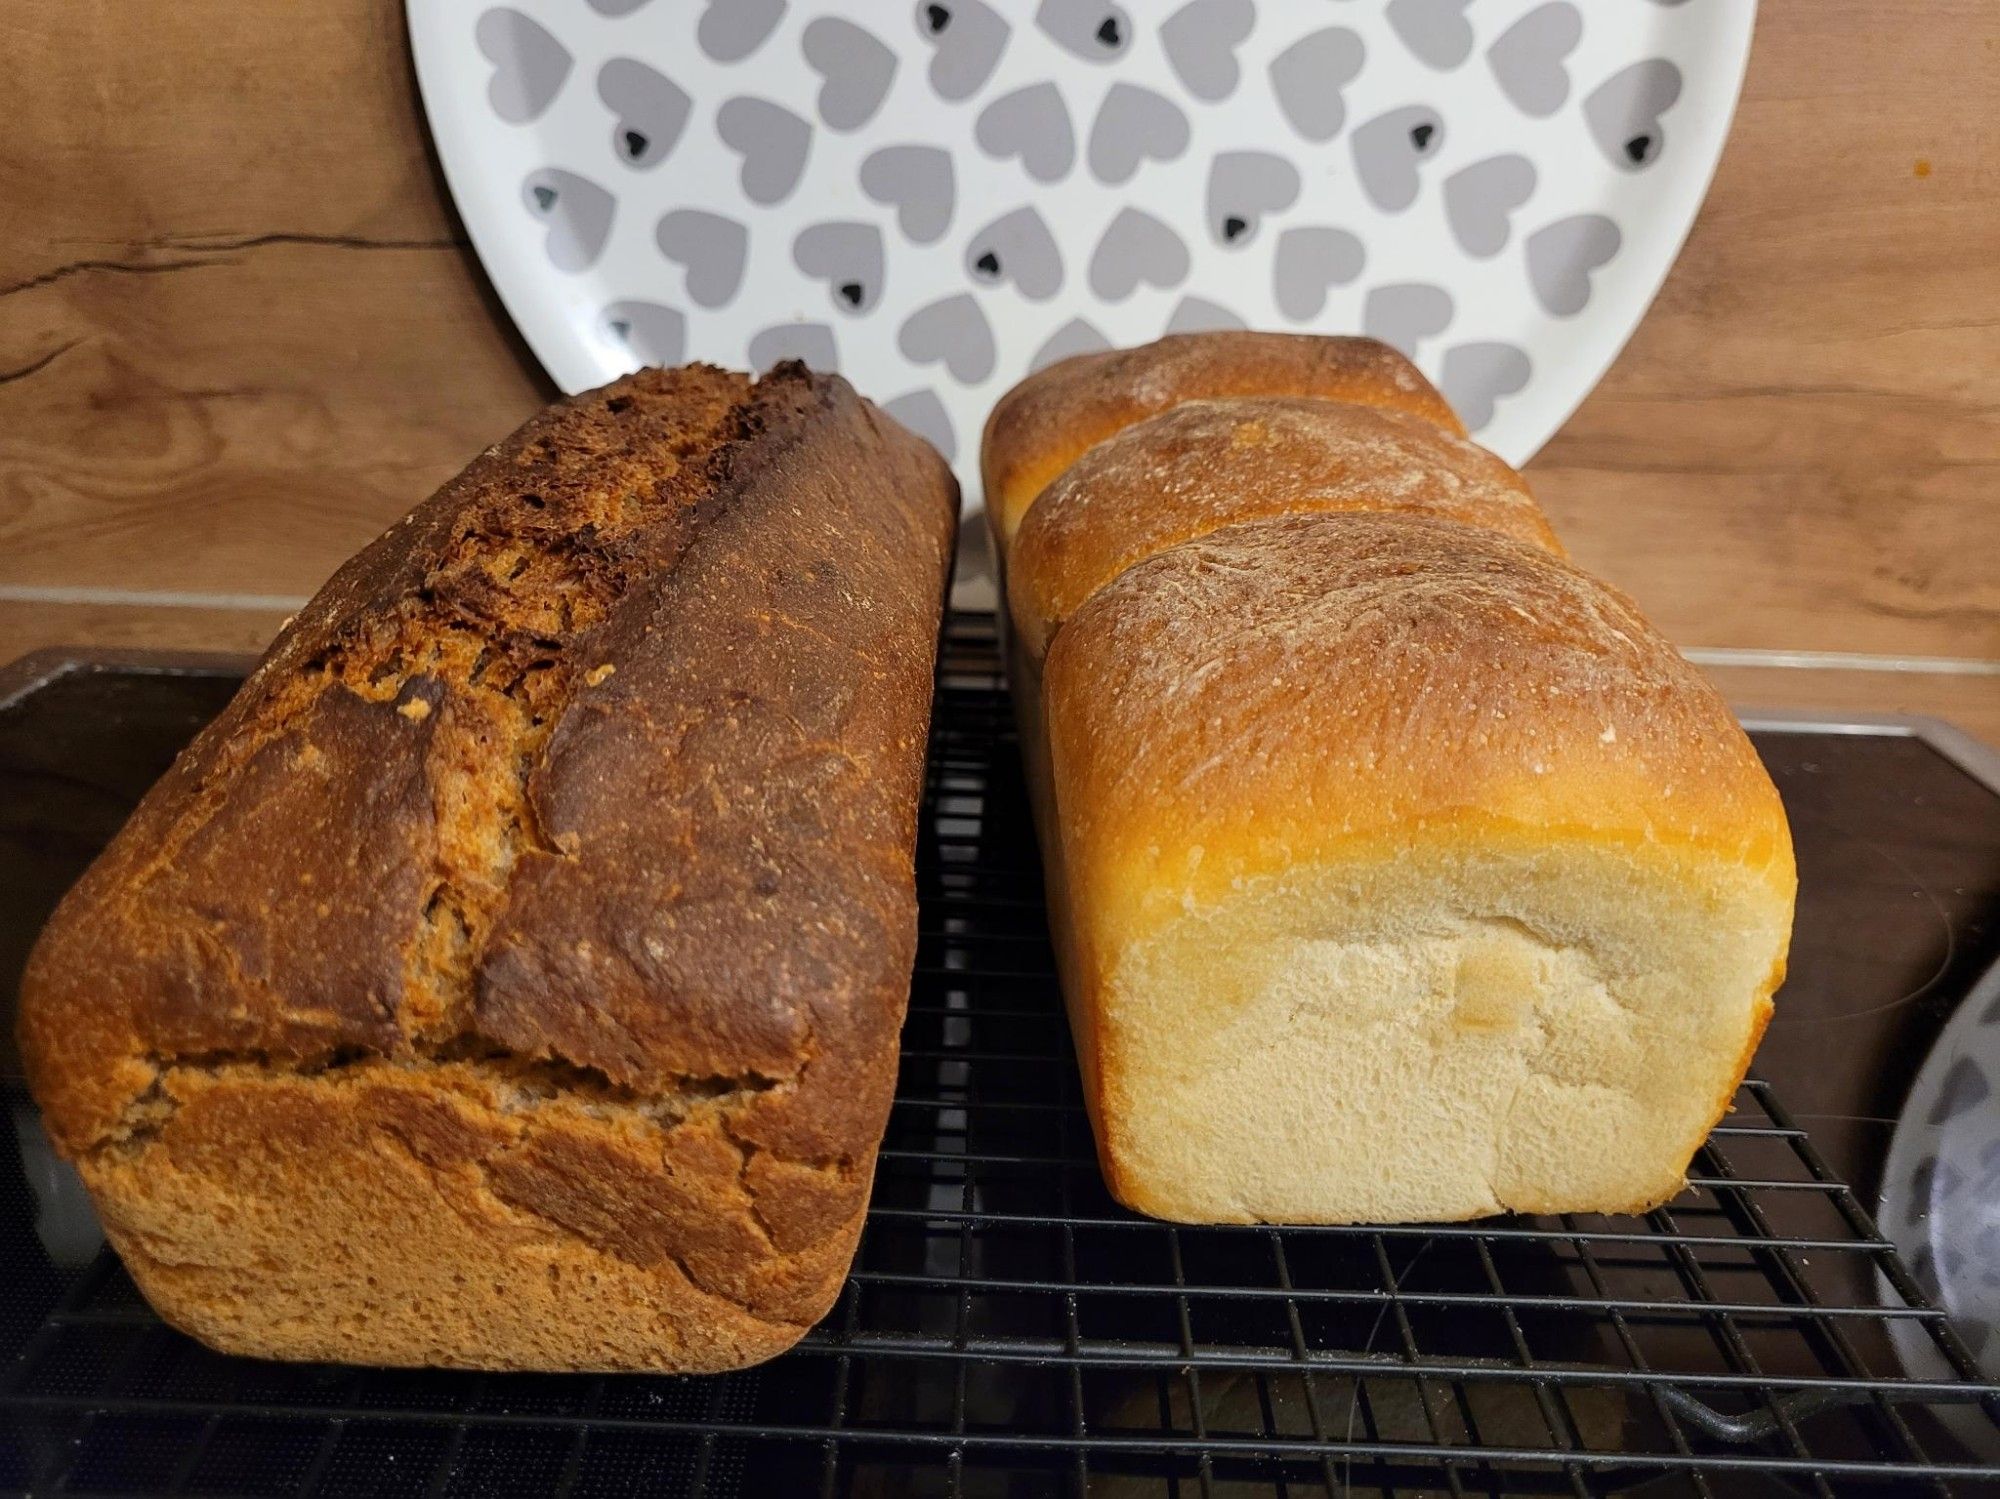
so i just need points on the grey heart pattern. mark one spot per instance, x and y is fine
(773, 143)
(1406, 313)
(1198, 315)
(1479, 201)
(577, 213)
(1017, 247)
(529, 65)
(951, 331)
(1435, 31)
(1089, 29)
(1020, 70)
(730, 30)
(1389, 150)
(1307, 77)
(856, 67)
(810, 343)
(1074, 337)
(1562, 256)
(1309, 260)
(651, 109)
(1134, 124)
(848, 257)
(968, 37)
(1476, 376)
(919, 183)
(1136, 247)
(1624, 112)
(924, 414)
(1529, 58)
(1033, 124)
(650, 333)
(710, 248)
(1200, 40)
(1243, 186)
(1965, 1088)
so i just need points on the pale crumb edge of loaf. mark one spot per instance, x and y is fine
(522, 1094)
(739, 1336)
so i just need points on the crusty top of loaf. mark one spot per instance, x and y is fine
(1046, 422)
(1283, 688)
(604, 761)
(1209, 464)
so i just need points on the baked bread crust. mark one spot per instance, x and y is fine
(510, 977)
(1050, 419)
(1439, 822)
(1207, 464)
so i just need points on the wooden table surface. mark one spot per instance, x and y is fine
(241, 331)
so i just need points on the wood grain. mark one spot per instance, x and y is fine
(240, 330)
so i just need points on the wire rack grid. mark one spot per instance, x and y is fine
(1008, 1330)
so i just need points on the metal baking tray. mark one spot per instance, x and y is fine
(1008, 1330)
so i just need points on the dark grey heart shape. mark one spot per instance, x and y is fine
(1072, 338)
(1527, 58)
(529, 64)
(713, 250)
(1407, 313)
(1090, 29)
(1562, 256)
(924, 414)
(651, 111)
(857, 68)
(953, 332)
(650, 333)
(1306, 79)
(1624, 111)
(1309, 259)
(917, 181)
(1200, 40)
(1033, 124)
(810, 343)
(773, 143)
(730, 30)
(577, 212)
(1017, 247)
(847, 256)
(1198, 315)
(1133, 124)
(1965, 1087)
(1475, 376)
(1435, 31)
(969, 37)
(1388, 150)
(1136, 247)
(617, 7)
(1243, 186)
(1479, 201)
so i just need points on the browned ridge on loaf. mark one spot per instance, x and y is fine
(539, 916)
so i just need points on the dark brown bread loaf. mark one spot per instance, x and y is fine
(511, 976)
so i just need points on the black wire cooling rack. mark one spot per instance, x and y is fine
(1008, 1330)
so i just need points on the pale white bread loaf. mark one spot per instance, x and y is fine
(1206, 464)
(1408, 874)
(1050, 419)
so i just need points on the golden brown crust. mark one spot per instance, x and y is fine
(1208, 464)
(1389, 671)
(1050, 419)
(599, 772)
(1394, 798)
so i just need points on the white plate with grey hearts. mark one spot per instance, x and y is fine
(937, 197)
